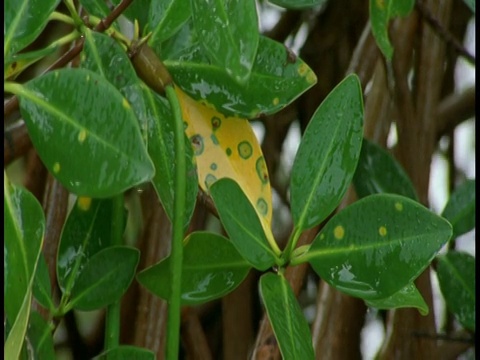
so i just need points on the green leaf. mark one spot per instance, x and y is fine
(378, 172)
(212, 268)
(456, 275)
(277, 78)
(407, 297)
(161, 149)
(328, 155)
(377, 246)
(40, 337)
(242, 224)
(98, 8)
(126, 352)
(166, 18)
(105, 278)
(381, 11)
(401, 7)
(17, 63)
(24, 20)
(94, 151)
(24, 223)
(42, 289)
(87, 230)
(136, 11)
(460, 208)
(288, 323)
(105, 56)
(230, 36)
(13, 344)
(298, 4)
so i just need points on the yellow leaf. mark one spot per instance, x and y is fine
(228, 147)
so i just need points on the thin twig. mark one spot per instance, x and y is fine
(438, 27)
(12, 103)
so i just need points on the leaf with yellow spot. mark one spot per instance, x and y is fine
(226, 147)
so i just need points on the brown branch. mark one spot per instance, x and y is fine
(455, 109)
(16, 142)
(193, 336)
(442, 31)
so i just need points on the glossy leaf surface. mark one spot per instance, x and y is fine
(24, 226)
(227, 147)
(16, 336)
(125, 352)
(277, 78)
(24, 20)
(456, 275)
(98, 8)
(289, 325)
(409, 296)
(166, 18)
(79, 144)
(161, 149)
(377, 246)
(136, 11)
(105, 56)
(381, 11)
(84, 234)
(378, 172)
(460, 208)
(212, 268)
(105, 278)
(242, 224)
(229, 33)
(40, 337)
(17, 63)
(327, 156)
(298, 4)
(42, 289)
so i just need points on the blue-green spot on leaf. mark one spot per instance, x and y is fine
(245, 150)
(261, 168)
(197, 143)
(216, 123)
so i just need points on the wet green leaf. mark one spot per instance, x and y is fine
(126, 352)
(16, 336)
(377, 246)
(212, 268)
(40, 337)
(98, 8)
(298, 4)
(381, 12)
(378, 172)
(328, 155)
(136, 11)
(24, 20)
(24, 223)
(105, 278)
(80, 145)
(288, 323)
(407, 297)
(161, 149)
(229, 33)
(42, 289)
(456, 275)
(278, 77)
(166, 18)
(242, 224)
(105, 56)
(87, 230)
(460, 208)
(17, 63)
